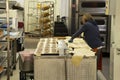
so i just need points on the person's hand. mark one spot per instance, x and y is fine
(71, 40)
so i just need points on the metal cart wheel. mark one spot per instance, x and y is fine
(22, 76)
(25, 75)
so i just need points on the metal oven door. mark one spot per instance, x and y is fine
(93, 6)
(101, 22)
(104, 27)
(104, 41)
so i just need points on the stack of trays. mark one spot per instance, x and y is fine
(46, 46)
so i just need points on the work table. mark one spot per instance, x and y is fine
(50, 65)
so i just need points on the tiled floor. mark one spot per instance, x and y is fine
(15, 74)
(31, 43)
(106, 67)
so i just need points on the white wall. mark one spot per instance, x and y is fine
(21, 2)
(115, 42)
(64, 7)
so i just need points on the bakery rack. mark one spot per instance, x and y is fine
(6, 43)
(45, 12)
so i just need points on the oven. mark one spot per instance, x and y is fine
(101, 22)
(93, 6)
(99, 10)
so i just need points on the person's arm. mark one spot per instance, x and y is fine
(80, 30)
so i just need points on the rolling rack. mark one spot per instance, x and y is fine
(8, 40)
(5, 9)
(32, 22)
(46, 18)
(41, 18)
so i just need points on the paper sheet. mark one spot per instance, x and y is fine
(76, 60)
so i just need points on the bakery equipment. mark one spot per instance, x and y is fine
(93, 6)
(99, 9)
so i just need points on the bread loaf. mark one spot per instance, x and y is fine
(46, 26)
(1, 32)
(45, 14)
(45, 20)
(45, 7)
